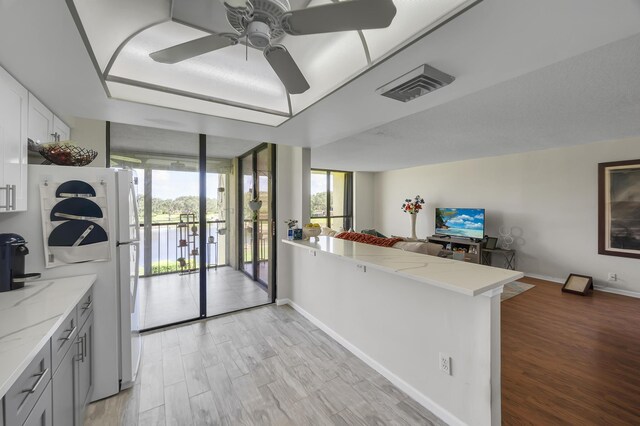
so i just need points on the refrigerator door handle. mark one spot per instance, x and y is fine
(134, 202)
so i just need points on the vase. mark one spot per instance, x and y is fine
(413, 226)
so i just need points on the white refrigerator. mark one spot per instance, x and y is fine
(117, 343)
(128, 261)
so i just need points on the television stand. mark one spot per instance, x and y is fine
(472, 250)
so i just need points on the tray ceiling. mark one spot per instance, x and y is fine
(235, 82)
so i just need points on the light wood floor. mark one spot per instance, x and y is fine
(568, 359)
(266, 366)
(166, 299)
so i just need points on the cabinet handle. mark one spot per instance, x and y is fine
(40, 379)
(73, 330)
(13, 197)
(88, 305)
(7, 197)
(81, 349)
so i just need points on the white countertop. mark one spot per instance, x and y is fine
(462, 277)
(29, 317)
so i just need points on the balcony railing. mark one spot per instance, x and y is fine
(263, 240)
(159, 254)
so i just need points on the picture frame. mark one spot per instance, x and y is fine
(618, 204)
(578, 284)
(491, 243)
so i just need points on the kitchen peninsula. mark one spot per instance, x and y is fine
(403, 313)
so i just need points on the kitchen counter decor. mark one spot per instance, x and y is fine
(413, 207)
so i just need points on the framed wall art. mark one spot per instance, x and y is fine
(619, 208)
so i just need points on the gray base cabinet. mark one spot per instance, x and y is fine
(41, 414)
(73, 380)
(64, 390)
(56, 387)
(85, 367)
(26, 391)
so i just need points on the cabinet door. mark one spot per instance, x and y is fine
(85, 368)
(64, 389)
(61, 130)
(41, 413)
(14, 100)
(40, 121)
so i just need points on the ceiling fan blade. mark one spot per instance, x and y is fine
(286, 69)
(191, 49)
(341, 16)
(237, 4)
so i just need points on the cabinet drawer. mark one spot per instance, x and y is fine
(85, 307)
(25, 392)
(63, 338)
(42, 413)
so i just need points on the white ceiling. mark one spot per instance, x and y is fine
(592, 97)
(150, 140)
(494, 42)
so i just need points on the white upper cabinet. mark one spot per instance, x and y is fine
(40, 121)
(61, 131)
(44, 127)
(14, 101)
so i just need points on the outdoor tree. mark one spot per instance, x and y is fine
(319, 203)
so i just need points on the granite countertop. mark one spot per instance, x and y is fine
(29, 317)
(462, 277)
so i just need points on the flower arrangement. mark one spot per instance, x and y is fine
(291, 223)
(413, 206)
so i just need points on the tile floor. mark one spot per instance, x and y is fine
(264, 366)
(167, 299)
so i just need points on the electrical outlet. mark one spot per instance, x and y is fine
(445, 363)
(613, 276)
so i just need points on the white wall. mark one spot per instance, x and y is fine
(293, 185)
(547, 198)
(90, 134)
(363, 183)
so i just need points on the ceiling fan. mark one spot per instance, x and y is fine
(264, 21)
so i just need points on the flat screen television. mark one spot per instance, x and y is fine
(466, 223)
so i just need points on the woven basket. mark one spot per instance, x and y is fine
(68, 155)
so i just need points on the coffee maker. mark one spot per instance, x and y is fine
(13, 249)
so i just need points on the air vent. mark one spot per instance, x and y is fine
(412, 85)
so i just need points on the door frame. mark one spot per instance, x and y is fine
(272, 258)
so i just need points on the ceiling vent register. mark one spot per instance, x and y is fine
(416, 83)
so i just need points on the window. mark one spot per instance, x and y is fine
(332, 199)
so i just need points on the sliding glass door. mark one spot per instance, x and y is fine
(257, 214)
(198, 257)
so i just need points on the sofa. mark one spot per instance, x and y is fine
(422, 247)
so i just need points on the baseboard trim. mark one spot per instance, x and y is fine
(621, 292)
(606, 289)
(422, 399)
(546, 278)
